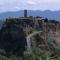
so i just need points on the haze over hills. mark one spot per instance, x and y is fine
(47, 14)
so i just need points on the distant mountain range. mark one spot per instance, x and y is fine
(46, 14)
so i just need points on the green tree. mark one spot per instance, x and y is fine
(12, 38)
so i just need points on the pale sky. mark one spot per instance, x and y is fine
(15, 5)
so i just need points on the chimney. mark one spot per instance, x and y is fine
(25, 13)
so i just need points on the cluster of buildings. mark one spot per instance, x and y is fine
(31, 23)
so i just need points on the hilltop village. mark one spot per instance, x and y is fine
(49, 28)
(24, 33)
(37, 23)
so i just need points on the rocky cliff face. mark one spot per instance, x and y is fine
(13, 33)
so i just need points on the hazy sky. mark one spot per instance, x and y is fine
(15, 5)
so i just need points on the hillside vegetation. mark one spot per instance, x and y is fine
(13, 40)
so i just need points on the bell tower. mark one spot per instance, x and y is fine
(25, 13)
